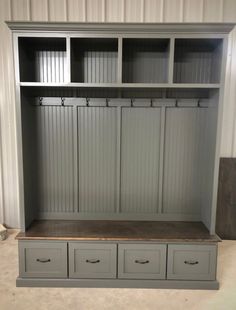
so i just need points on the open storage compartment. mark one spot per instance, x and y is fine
(42, 59)
(145, 60)
(73, 136)
(94, 60)
(197, 60)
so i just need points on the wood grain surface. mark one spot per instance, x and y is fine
(118, 230)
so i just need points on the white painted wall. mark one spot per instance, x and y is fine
(99, 11)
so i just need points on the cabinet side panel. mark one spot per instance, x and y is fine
(97, 159)
(208, 161)
(28, 116)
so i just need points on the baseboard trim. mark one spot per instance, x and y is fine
(118, 283)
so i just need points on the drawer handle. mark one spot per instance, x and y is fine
(43, 260)
(191, 262)
(92, 261)
(141, 261)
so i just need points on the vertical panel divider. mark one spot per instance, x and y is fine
(118, 160)
(171, 61)
(68, 60)
(76, 165)
(119, 64)
(161, 163)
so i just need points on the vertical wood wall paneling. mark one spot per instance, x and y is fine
(39, 10)
(193, 11)
(97, 159)
(95, 10)
(55, 158)
(114, 11)
(5, 8)
(229, 11)
(133, 11)
(51, 66)
(173, 11)
(8, 121)
(100, 66)
(212, 11)
(2, 217)
(182, 160)
(76, 10)
(140, 154)
(57, 10)
(229, 100)
(153, 11)
(233, 92)
(21, 10)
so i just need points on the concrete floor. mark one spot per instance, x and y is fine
(131, 299)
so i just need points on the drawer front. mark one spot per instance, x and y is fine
(191, 262)
(43, 259)
(142, 261)
(91, 260)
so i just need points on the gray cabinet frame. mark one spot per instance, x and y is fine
(119, 31)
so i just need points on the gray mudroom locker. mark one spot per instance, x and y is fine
(118, 142)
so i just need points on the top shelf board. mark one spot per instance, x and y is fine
(202, 28)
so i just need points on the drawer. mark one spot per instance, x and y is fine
(43, 259)
(92, 260)
(142, 261)
(191, 262)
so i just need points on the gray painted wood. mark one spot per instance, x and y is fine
(140, 154)
(188, 168)
(119, 283)
(185, 137)
(42, 60)
(208, 162)
(42, 259)
(97, 159)
(197, 60)
(94, 60)
(191, 262)
(145, 60)
(29, 148)
(92, 260)
(130, 144)
(112, 28)
(54, 161)
(142, 261)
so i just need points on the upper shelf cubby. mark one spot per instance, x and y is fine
(42, 59)
(197, 60)
(145, 60)
(94, 60)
